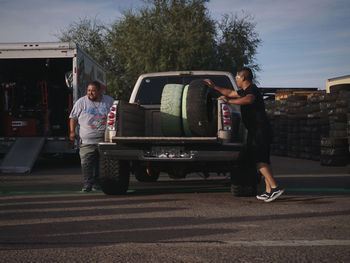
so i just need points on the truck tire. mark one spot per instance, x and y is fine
(114, 175)
(201, 109)
(170, 110)
(244, 181)
(244, 177)
(185, 124)
(142, 175)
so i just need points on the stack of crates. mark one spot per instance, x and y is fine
(334, 147)
(313, 126)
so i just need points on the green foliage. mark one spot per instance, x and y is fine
(90, 35)
(237, 43)
(165, 35)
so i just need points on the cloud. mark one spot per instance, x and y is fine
(276, 15)
(336, 50)
(344, 34)
(303, 76)
(39, 20)
(304, 41)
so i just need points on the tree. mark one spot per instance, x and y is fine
(166, 35)
(90, 35)
(237, 43)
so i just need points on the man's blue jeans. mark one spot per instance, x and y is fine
(89, 158)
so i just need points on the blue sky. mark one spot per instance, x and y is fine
(304, 42)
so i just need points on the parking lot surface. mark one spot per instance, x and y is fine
(45, 218)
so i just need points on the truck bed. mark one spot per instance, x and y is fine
(143, 122)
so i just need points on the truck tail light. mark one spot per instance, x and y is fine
(112, 118)
(226, 117)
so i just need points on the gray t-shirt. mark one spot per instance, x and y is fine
(91, 117)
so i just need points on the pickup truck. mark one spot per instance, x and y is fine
(173, 123)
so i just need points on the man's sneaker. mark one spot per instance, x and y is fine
(86, 188)
(275, 193)
(263, 196)
(96, 187)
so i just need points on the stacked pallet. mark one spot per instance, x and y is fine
(315, 126)
(276, 110)
(312, 126)
(348, 122)
(334, 146)
(348, 129)
(297, 137)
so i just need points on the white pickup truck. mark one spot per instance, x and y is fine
(173, 123)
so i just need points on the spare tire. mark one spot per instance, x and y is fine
(170, 110)
(185, 124)
(201, 109)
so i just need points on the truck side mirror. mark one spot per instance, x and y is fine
(69, 80)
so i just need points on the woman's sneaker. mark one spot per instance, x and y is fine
(86, 188)
(275, 193)
(96, 187)
(263, 196)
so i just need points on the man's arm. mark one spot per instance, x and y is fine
(72, 125)
(249, 99)
(226, 92)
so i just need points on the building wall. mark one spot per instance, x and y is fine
(335, 84)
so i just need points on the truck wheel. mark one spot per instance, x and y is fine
(170, 110)
(244, 177)
(142, 175)
(201, 109)
(114, 175)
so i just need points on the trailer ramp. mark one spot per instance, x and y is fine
(22, 155)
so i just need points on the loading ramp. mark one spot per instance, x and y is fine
(22, 155)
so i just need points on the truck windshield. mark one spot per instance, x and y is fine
(150, 90)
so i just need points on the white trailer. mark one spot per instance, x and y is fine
(39, 83)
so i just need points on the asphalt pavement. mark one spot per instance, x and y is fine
(45, 218)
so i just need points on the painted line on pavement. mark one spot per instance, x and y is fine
(34, 192)
(162, 190)
(290, 243)
(342, 190)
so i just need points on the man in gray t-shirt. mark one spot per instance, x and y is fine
(90, 113)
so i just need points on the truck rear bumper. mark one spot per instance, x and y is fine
(227, 154)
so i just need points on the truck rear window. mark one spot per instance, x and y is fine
(150, 90)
